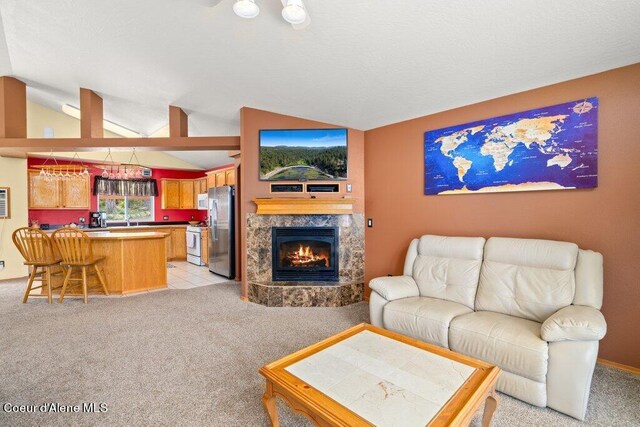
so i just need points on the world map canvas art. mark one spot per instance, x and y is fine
(550, 148)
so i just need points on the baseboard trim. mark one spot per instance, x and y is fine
(619, 366)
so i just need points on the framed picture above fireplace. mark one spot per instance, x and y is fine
(303, 154)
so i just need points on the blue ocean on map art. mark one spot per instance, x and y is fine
(549, 148)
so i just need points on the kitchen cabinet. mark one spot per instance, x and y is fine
(202, 185)
(75, 193)
(199, 187)
(43, 193)
(178, 194)
(211, 179)
(230, 177)
(170, 192)
(179, 243)
(58, 194)
(187, 194)
(221, 179)
(204, 246)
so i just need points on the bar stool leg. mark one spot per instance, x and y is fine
(84, 284)
(48, 279)
(101, 279)
(32, 277)
(65, 283)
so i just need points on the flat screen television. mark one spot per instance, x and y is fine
(303, 154)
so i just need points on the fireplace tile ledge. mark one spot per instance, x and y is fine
(310, 294)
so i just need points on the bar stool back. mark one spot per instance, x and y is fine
(77, 253)
(36, 248)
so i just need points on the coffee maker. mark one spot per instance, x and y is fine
(97, 219)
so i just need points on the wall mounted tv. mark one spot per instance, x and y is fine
(303, 154)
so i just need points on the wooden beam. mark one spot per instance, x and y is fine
(13, 108)
(18, 147)
(178, 122)
(91, 115)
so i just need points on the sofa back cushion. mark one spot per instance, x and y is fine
(527, 278)
(448, 267)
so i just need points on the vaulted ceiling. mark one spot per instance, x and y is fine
(360, 63)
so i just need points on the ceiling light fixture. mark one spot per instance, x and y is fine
(246, 9)
(294, 12)
(106, 124)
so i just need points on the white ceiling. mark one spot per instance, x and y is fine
(203, 159)
(360, 63)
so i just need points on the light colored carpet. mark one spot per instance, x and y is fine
(191, 357)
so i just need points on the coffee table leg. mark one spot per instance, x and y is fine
(490, 406)
(269, 402)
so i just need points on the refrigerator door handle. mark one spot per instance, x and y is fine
(215, 221)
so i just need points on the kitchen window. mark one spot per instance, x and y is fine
(121, 208)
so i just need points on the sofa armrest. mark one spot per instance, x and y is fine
(395, 287)
(574, 323)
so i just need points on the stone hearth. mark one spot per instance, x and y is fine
(347, 290)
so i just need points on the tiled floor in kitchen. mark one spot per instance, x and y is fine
(182, 275)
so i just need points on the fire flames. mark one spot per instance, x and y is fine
(305, 257)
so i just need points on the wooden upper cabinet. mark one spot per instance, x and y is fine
(57, 194)
(170, 189)
(230, 177)
(76, 193)
(43, 193)
(199, 187)
(211, 180)
(186, 194)
(221, 179)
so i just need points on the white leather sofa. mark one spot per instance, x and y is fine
(529, 306)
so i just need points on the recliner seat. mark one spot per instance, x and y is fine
(529, 306)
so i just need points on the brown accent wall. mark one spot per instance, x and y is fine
(251, 121)
(605, 219)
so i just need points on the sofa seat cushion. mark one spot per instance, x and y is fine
(424, 318)
(512, 343)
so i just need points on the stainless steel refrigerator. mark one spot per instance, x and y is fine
(221, 231)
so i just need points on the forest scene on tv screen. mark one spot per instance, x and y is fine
(301, 154)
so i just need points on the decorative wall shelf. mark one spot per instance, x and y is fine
(304, 206)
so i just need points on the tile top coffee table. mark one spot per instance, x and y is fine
(370, 376)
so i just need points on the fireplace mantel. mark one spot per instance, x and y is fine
(304, 206)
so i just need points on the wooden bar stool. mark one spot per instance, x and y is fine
(37, 250)
(77, 253)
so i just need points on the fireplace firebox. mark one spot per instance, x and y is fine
(305, 254)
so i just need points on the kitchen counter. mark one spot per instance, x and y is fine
(135, 227)
(137, 235)
(133, 262)
(132, 227)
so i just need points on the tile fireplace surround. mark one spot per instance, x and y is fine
(347, 290)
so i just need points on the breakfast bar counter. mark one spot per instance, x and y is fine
(133, 262)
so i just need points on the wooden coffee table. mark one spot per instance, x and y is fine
(370, 376)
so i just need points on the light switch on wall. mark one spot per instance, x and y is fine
(349, 188)
(370, 222)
